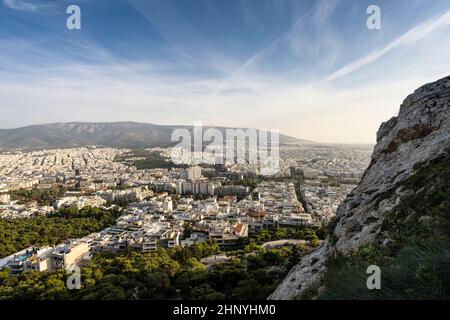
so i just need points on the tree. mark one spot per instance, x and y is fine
(194, 265)
(214, 296)
(249, 289)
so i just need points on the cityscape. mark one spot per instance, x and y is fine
(215, 202)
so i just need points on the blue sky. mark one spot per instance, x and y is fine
(309, 68)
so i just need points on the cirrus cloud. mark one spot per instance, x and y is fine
(22, 5)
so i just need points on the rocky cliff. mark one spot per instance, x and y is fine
(403, 189)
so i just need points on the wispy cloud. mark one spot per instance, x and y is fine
(323, 10)
(21, 5)
(263, 53)
(413, 35)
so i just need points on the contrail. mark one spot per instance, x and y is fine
(415, 34)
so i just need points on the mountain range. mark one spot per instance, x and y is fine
(110, 134)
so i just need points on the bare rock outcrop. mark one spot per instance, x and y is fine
(418, 135)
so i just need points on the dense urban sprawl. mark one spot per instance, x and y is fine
(170, 206)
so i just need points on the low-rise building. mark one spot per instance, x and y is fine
(69, 254)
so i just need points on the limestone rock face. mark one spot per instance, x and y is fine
(419, 134)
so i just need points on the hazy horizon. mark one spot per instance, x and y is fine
(188, 125)
(311, 69)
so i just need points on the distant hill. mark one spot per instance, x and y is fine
(111, 134)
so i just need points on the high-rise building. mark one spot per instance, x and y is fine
(5, 198)
(194, 173)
